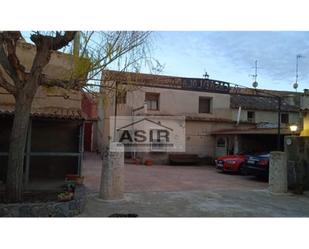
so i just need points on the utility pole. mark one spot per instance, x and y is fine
(279, 125)
(115, 111)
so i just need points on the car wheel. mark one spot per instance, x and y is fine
(242, 170)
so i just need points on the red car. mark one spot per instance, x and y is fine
(231, 163)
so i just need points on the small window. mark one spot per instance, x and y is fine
(221, 142)
(158, 144)
(251, 116)
(152, 101)
(121, 97)
(284, 118)
(204, 105)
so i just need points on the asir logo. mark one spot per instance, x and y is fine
(155, 133)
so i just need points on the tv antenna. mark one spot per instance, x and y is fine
(295, 85)
(206, 75)
(255, 75)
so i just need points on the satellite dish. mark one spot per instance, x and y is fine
(255, 84)
(295, 85)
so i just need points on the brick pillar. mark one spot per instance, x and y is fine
(112, 178)
(278, 179)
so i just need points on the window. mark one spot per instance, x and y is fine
(204, 105)
(152, 101)
(284, 118)
(121, 97)
(221, 142)
(251, 116)
(159, 142)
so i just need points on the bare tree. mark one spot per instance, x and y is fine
(93, 53)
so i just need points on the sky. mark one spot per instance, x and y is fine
(230, 56)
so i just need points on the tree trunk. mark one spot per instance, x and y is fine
(14, 180)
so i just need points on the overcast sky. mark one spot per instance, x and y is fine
(230, 56)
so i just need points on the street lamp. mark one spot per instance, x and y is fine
(293, 128)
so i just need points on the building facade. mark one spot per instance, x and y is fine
(217, 121)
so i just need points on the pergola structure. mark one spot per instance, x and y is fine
(54, 143)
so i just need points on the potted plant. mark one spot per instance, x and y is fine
(65, 196)
(70, 186)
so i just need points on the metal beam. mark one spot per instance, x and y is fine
(28, 150)
(46, 154)
(54, 154)
(80, 148)
(279, 125)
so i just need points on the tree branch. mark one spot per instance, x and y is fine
(54, 43)
(45, 44)
(7, 86)
(11, 43)
(8, 57)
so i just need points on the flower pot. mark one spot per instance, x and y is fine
(71, 177)
(75, 178)
(148, 162)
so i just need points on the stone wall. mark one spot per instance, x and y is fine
(297, 150)
(47, 209)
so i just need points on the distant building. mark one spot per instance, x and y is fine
(219, 119)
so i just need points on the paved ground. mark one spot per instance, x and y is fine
(218, 203)
(140, 178)
(184, 191)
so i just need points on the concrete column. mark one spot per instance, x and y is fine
(278, 179)
(112, 178)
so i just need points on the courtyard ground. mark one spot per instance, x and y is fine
(189, 191)
(162, 178)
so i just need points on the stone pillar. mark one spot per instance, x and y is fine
(112, 178)
(278, 179)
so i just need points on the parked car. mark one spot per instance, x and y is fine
(257, 165)
(231, 163)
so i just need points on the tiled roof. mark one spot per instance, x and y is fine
(251, 102)
(47, 112)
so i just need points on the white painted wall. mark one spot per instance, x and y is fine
(265, 116)
(178, 102)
